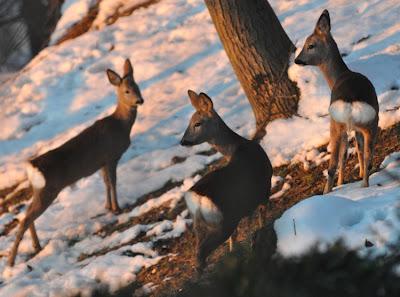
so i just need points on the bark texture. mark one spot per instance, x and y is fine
(40, 18)
(25, 26)
(259, 51)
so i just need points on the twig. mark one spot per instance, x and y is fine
(294, 227)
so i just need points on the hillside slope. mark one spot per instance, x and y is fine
(173, 46)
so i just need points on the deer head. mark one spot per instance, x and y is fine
(317, 47)
(127, 90)
(204, 123)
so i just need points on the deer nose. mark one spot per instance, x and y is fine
(184, 142)
(140, 101)
(299, 62)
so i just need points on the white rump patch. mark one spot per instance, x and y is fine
(353, 113)
(35, 177)
(208, 209)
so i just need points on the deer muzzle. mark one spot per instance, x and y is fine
(185, 142)
(299, 62)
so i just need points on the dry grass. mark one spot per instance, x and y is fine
(85, 24)
(171, 273)
(178, 267)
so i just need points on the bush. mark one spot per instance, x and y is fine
(334, 272)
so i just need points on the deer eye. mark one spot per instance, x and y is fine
(198, 124)
(310, 46)
(127, 92)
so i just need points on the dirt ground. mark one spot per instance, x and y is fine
(171, 273)
(178, 266)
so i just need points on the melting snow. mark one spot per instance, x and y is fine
(174, 47)
(350, 213)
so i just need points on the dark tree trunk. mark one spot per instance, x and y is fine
(259, 51)
(40, 19)
(25, 23)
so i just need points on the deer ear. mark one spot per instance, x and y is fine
(205, 103)
(113, 77)
(194, 99)
(128, 69)
(324, 23)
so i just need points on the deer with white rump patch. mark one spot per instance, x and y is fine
(219, 200)
(353, 106)
(98, 147)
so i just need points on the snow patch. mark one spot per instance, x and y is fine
(72, 11)
(172, 45)
(108, 8)
(350, 213)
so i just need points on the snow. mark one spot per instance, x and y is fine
(109, 7)
(145, 290)
(285, 187)
(377, 57)
(173, 47)
(59, 260)
(72, 11)
(350, 213)
(6, 75)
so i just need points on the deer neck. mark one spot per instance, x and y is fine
(227, 141)
(334, 66)
(126, 114)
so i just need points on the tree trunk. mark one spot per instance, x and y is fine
(259, 51)
(40, 19)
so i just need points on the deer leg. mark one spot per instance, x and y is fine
(41, 200)
(200, 230)
(111, 170)
(107, 182)
(232, 239)
(211, 241)
(23, 226)
(261, 215)
(335, 139)
(368, 153)
(113, 176)
(35, 239)
(342, 157)
(360, 152)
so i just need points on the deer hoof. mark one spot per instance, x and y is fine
(116, 210)
(201, 264)
(365, 184)
(37, 248)
(11, 261)
(200, 269)
(326, 189)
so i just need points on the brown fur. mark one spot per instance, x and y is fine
(235, 189)
(320, 49)
(100, 146)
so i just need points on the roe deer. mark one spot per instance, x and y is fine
(219, 200)
(98, 147)
(353, 106)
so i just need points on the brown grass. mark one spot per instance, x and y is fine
(118, 13)
(82, 26)
(171, 273)
(178, 267)
(85, 24)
